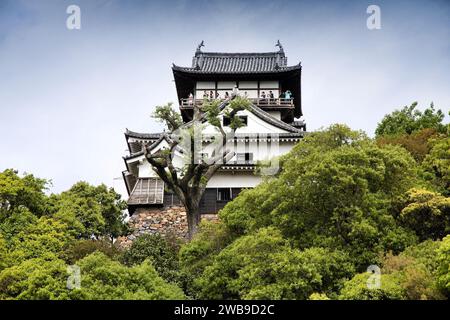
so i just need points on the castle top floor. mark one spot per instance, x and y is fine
(264, 77)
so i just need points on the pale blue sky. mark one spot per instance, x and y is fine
(66, 96)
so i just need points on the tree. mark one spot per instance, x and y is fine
(3, 253)
(84, 247)
(103, 278)
(357, 289)
(26, 191)
(417, 143)
(15, 220)
(427, 213)
(415, 270)
(409, 120)
(443, 273)
(437, 163)
(91, 210)
(47, 239)
(334, 190)
(155, 248)
(264, 266)
(199, 253)
(189, 181)
(35, 279)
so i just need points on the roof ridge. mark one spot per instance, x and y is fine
(278, 123)
(268, 53)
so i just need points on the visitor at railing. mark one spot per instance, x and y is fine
(271, 97)
(265, 100)
(287, 94)
(235, 91)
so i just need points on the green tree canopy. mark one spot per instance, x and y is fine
(156, 249)
(90, 210)
(103, 278)
(264, 266)
(334, 190)
(437, 163)
(409, 120)
(443, 273)
(427, 213)
(26, 191)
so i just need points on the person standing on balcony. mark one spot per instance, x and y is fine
(287, 94)
(227, 96)
(235, 91)
(191, 99)
(271, 96)
(211, 95)
(263, 97)
(205, 95)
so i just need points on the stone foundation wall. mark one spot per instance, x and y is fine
(170, 221)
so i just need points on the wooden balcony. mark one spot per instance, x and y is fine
(260, 102)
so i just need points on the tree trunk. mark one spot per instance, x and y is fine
(193, 216)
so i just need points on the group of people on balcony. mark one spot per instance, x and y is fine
(269, 97)
(264, 98)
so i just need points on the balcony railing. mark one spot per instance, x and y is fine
(260, 102)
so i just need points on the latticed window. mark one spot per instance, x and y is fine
(223, 194)
(147, 191)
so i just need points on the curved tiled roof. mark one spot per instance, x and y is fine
(139, 135)
(161, 136)
(274, 121)
(221, 62)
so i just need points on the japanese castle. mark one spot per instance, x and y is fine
(273, 87)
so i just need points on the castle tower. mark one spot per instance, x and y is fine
(273, 87)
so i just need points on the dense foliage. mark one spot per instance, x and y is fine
(410, 119)
(41, 236)
(341, 204)
(162, 254)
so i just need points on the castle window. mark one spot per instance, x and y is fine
(223, 194)
(244, 157)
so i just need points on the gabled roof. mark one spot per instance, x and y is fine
(139, 135)
(232, 63)
(162, 136)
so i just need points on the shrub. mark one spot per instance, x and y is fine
(157, 249)
(83, 248)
